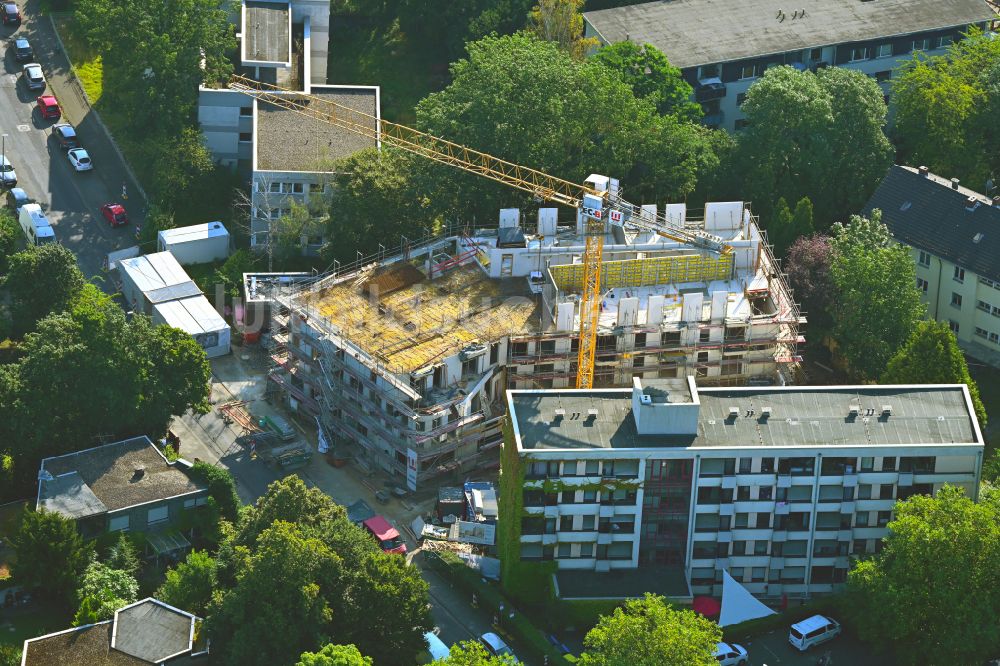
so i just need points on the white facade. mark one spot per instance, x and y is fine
(196, 317)
(196, 244)
(741, 490)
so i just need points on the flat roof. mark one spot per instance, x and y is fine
(800, 416)
(68, 495)
(153, 631)
(399, 316)
(158, 273)
(193, 232)
(109, 472)
(266, 31)
(193, 315)
(701, 32)
(290, 141)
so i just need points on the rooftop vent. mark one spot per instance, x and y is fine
(592, 411)
(646, 399)
(854, 409)
(560, 412)
(996, 201)
(886, 410)
(765, 412)
(924, 171)
(954, 183)
(138, 471)
(971, 203)
(734, 412)
(978, 237)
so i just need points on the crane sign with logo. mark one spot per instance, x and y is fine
(616, 217)
(593, 207)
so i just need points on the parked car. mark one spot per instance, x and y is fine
(496, 646)
(11, 14)
(16, 198)
(80, 159)
(812, 631)
(48, 107)
(8, 177)
(66, 136)
(386, 535)
(731, 654)
(22, 49)
(33, 76)
(115, 215)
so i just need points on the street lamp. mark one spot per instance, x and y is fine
(3, 147)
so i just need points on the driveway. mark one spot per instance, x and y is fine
(773, 649)
(70, 200)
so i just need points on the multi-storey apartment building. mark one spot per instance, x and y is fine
(287, 156)
(780, 486)
(406, 357)
(723, 46)
(952, 232)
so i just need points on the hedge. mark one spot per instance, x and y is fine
(490, 596)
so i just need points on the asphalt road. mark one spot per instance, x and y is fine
(70, 200)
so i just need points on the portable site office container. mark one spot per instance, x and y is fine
(196, 316)
(154, 278)
(197, 244)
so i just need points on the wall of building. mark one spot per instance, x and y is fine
(275, 191)
(226, 121)
(176, 508)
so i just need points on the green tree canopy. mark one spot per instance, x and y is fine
(649, 632)
(41, 280)
(292, 501)
(929, 597)
(651, 76)
(560, 21)
(51, 555)
(877, 302)
(785, 227)
(947, 108)
(334, 655)
(122, 556)
(932, 356)
(189, 585)
(813, 135)
(10, 232)
(472, 653)
(107, 590)
(221, 488)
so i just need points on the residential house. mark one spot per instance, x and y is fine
(723, 46)
(146, 632)
(954, 236)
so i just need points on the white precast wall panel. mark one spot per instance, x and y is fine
(628, 311)
(564, 316)
(723, 215)
(510, 217)
(654, 311)
(676, 214)
(548, 219)
(719, 300)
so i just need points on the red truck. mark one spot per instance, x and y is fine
(386, 535)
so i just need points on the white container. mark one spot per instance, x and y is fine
(197, 244)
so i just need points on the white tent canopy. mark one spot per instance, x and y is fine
(738, 605)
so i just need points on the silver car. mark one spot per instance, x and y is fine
(33, 76)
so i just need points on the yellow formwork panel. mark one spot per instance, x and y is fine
(646, 272)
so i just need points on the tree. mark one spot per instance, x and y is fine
(560, 21)
(107, 590)
(946, 109)
(41, 280)
(51, 555)
(289, 500)
(786, 227)
(932, 356)
(297, 575)
(189, 585)
(221, 488)
(649, 632)
(529, 102)
(122, 556)
(651, 76)
(10, 233)
(471, 653)
(877, 301)
(334, 655)
(87, 613)
(808, 268)
(448, 25)
(929, 597)
(813, 135)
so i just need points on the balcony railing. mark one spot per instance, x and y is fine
(709, 90)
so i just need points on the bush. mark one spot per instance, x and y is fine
(221, 488)
(490, 597)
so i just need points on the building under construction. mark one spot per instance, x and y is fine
(403, 359)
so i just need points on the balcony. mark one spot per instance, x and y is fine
(709, 89)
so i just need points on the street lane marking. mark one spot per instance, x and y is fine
(24, 128)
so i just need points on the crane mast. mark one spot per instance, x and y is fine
(592, 199)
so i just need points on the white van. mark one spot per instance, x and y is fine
(812, 631)
(35, 225)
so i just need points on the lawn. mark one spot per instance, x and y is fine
(366, 54)
(86, 64)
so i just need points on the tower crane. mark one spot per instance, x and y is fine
(593, 199)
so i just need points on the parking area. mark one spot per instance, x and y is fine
(845, 650)
(70, 200)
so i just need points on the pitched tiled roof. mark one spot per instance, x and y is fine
(926, 213)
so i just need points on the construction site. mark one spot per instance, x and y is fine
(402, 359)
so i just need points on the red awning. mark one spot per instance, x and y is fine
(706, 606)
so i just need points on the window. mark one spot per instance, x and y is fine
(274, 187)
(885, 491)
(246, 137)
(848, 494)
(740, 548)
(921, 44)
(741, 520)
(757, 574)
(748, 71)
(767, 465)
(953, 325)
(984, 306)
(593, 468)
(766, 493)
(586, 550)
(704, 335)
(708, 71)
(860, 546)
(118, 523)
(298, 188)
(760, 548)
(565, 550)
(859, 53)
(588, 523)
(944, 41)
(702, 357)
(157, 515)
(889, 464)
(959, 274)
(200, 501)
(816, 54)
(742, 97)
(924, 259)
(883, 51)
(956, 300)
(315, 188)
(742, 493)
(745, 464)
(884, 517)
(246, 111)
(994, 338)
(864, 491)
(867, 464)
